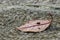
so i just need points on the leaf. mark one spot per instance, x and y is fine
(35, 26)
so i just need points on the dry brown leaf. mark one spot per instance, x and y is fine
(35, 26)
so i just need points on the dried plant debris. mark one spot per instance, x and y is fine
(35, 25)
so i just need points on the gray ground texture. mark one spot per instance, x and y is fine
(14, 13)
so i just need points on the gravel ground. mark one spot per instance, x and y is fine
(11, 17)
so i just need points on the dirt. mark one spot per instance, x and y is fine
(11, 17)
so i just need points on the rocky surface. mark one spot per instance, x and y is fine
(12, 15)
